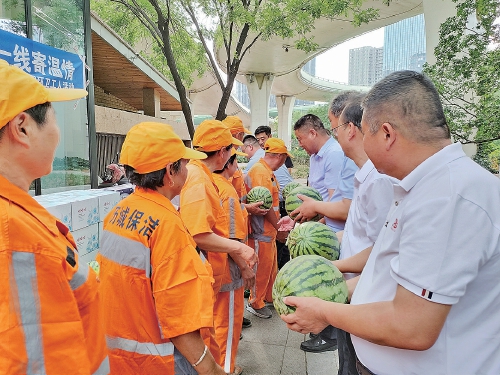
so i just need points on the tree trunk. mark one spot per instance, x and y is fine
(186, 109)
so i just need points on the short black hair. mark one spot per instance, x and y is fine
(339, 102)
(311, 121)
(212, 153)
(249, 139)
(409, 101)
(263, 129)
(151, 180)
(353, 112)
(229, 161)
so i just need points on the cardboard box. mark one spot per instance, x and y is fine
(87, 239)
(84, 212)
(125, 190)
(61, 210)
(85, 258)
(107, 200)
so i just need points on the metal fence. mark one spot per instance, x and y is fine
(108, 150)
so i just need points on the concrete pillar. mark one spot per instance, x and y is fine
(259, 90)
(285, 110)
(151, 102)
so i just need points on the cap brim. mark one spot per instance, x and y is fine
(193, 154)
(62, 95)
(236, 142)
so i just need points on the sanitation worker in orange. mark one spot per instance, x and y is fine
(49, 301)
(229, 318)
(157, 291)
(264, 229)
(207, 221)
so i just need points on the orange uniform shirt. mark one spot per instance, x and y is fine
(262, 175)
(239, 184)
(154, 284)
(202, 212)
(50, 319)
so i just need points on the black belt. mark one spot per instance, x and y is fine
(362, 369)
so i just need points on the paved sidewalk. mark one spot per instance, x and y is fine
(268, 347)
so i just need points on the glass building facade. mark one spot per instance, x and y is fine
(59, 24)
(404, 45)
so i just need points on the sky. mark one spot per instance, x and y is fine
(334, 63)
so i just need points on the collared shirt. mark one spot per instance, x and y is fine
(254, 159)
(441, 241)
(151, 273)
(49, 300)
(345, 190)
(370, 205)
(284, 178)
(324, 167)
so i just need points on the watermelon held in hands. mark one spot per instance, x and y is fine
(292, 202)
(289, 187)
(312, 238)
(260, 194)
(308, 276)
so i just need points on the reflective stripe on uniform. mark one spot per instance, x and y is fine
(260, 237)
(25, 276)
(79, 277)
(236, 279)
(103, 367)
(253, 289)
(146, 348)
(229, 341)
(232, 218)
(126, 252)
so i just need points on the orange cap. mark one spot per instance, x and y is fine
(276, 146)
(150, 146)
(20, 91)
(235, 124)
(236, 152)
(212, 135)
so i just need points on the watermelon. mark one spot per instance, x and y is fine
(260, 194)
(313, 238)
(289, 187)
(308, 276)
(292, 202)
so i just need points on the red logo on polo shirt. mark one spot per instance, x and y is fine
(395, 225)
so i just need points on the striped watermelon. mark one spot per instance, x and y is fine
(260, 194)
(289, 187)
(308, 276)
(313, 238)
(292, 202)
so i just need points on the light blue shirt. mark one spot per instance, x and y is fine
(345, 190)
(324, 167)
(254, 159)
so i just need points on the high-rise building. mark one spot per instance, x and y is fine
(365, 65)
(404, 45)
(240, 91)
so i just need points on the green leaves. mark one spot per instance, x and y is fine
(467, 73)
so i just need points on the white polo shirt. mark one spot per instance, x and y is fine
(373, 193)
(441, 241)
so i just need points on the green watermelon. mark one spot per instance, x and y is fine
(289, 187)
(313, 238)
(308, 276)
(260, 194)
(292, 202)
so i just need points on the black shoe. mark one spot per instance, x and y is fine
(246, 293)
(313, 335)
(318, 345)
(246, 323)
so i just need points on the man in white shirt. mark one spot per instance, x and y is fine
(428, 298)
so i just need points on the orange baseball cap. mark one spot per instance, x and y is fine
(235, 124)
(276, 146)
(212, 135)
(20, 91)
(150, 146)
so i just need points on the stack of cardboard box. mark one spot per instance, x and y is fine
(83, 212)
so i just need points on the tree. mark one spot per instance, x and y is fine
(235, 25)
(467, 73)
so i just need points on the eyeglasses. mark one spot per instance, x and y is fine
(334, 130)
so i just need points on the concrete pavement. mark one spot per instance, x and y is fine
(268, 347)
